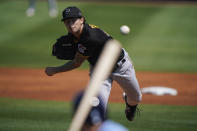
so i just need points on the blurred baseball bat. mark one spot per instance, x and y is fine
(102, 70)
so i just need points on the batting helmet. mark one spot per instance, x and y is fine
(97, 113)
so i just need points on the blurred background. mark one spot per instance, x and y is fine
(162, 39)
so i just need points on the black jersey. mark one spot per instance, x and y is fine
(91, 42)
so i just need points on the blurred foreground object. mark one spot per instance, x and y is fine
(159, 91)
(51, 5)
(97, 117)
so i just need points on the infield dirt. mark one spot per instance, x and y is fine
(34, 84)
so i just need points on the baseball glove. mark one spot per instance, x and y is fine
(64, 48)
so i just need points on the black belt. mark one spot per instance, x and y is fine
(116, 66)
(121, 56)
(123, 61)
(120, 59)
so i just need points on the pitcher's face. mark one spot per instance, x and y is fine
(74, 25)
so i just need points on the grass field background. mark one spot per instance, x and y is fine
(163, 36)
(162, 39)
(33, 115)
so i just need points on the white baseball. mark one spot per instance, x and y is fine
(124, 29)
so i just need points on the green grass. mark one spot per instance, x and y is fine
(163, 37)
(31, 115)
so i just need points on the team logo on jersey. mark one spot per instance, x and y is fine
(81, 48)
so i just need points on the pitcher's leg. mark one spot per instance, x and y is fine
(105, 88)
(130, 85)
(132, 90)
(105, 91)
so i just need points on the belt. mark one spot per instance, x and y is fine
(121, 60)
(118, 64)
(121, 56)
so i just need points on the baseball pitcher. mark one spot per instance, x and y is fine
(85, 42)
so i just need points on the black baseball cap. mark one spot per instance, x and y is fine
(71, 12)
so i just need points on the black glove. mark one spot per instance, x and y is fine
(64, 48)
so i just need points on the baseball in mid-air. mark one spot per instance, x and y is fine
(124, 29)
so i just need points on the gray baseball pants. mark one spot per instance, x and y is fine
(125, 76)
